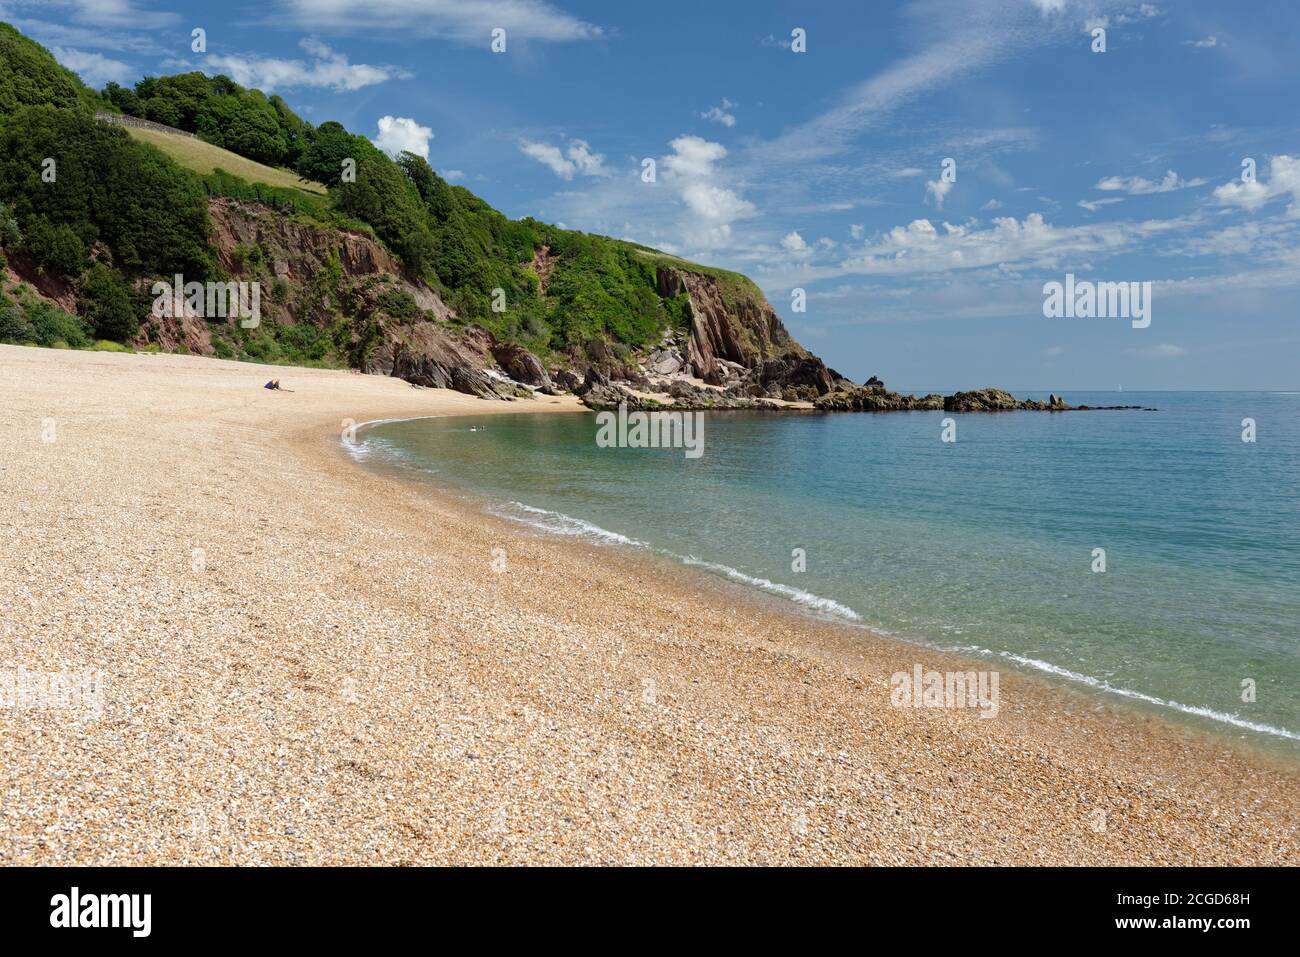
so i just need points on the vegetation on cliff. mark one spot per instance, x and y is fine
(121, 213)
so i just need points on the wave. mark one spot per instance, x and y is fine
(1106, 686)
(806, 598)
(561, 524)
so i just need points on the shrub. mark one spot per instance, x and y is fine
(10, 235)
(14, 326)
(399, 304)
(53, 327)
(55, 247)
(105, 303)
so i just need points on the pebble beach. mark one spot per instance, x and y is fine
(298, 661)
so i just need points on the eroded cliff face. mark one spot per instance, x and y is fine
(727, 324)
(421, 349)
(298, 253)
(289, 260)
(349, 286)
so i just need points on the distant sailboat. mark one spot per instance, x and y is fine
(1119, 388)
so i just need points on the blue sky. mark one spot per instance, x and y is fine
(821, 170)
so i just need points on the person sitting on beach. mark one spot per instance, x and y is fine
(274, 385)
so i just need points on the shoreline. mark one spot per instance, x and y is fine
(311, 663)
(1270, 744)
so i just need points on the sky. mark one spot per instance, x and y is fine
(822, 169)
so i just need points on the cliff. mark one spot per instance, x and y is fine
(386, 322)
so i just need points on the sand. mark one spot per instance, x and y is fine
(305, 662)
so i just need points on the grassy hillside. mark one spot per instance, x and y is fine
(204, 158)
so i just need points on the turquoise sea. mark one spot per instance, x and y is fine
(983, 545)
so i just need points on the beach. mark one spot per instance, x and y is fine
(303, 661)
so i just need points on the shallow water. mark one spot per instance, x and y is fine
(983, 545)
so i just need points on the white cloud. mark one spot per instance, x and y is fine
(1164, 350)
(466, 21)
(716, 203)
(691, 168)
(577, 159)
(586, 162)
(719, 114)
(856, 230)
(450, 175)
(1206, 44)
(1092, 205)
(938, 189)
(1284, 180)
(693, 156)
(99, 13)
(93, 68)
(401, 133)
(1137, 186)
(960, 37)
(1263, 240)
(327, 69)
(549, 156)
(794, 243)
(920, 248)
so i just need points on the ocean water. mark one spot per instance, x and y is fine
(984, 545)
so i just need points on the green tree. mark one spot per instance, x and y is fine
(124, 99)
(55, 246)
(29, 76)
(330, 145)
(187, 92)
(151, 213)
(159, 109)
(297, 133)
(105, 302)
(384, 198)
(244, 125)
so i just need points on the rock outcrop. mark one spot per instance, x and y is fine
(522, 366)
(876, 399)
(429, 355)
(397, 325)
(999, 400)
(729, 323)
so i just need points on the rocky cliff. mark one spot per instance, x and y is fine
(388, 323)
(729, 324)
